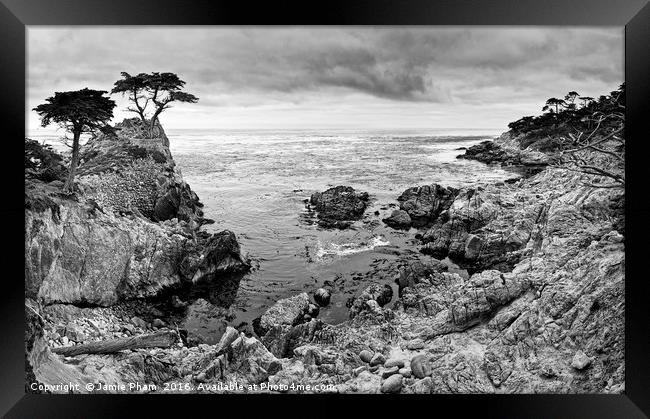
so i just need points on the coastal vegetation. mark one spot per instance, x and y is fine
(89, 111)
(157, 89)
(77, 111)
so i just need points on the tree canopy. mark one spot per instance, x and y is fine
(588, 138)
(80, 110)
(156, 89)
(77, 111)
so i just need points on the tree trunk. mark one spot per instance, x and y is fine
(69, 183)
(154, 118)
(160, 339)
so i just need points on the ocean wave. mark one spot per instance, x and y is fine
(346, 249)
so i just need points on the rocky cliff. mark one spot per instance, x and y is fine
(130, 232)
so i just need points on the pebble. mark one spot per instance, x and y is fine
(415, 344)
(158, 323)
(64, 340)
(392, 384)
(378, 359)
(365, 355)
(420, 366)
(389, 371)
(399, 363)
(580, 361)
(405, 372)
(137, 321)
(359, 370)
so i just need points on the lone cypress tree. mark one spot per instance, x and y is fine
(158, 89)
(77, 111)
(135, 88)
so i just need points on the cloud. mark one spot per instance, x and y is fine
(255, 66)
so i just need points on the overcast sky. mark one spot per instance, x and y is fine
(334, 78)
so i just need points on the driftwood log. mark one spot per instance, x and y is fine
(160, 339)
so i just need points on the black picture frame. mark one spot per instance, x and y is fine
(15, 15)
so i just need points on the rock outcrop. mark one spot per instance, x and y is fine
(275, 325)
(553, 323)
(339, 207)
(124, 170)
(399, 219)
(130, 232)
(507, 150)
(424, 204)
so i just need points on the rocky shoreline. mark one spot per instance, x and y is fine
(539, 307)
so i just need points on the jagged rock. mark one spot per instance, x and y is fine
(275, 325)
(510, 151)
(287, 312)
(399, 219)
(423, 386)
(417, 272)
(380, 294)
(80, 257)
(219, 256)
(338, 207)
(425, 203)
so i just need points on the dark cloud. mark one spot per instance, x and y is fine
(244, 66)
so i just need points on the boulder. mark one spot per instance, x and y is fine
(219, 255)
(392, 384)
(420, 367)
(322, 297)
(399, 219)
(285, 312)
(425, 203)
(338, 207)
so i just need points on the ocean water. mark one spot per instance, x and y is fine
(256, 183)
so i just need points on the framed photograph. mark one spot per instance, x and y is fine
(433, 202)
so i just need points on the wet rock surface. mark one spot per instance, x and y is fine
(338, 207)
(424, 204)
(507, 151)
(399, 219)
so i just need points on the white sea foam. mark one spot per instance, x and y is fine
(346, 249)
